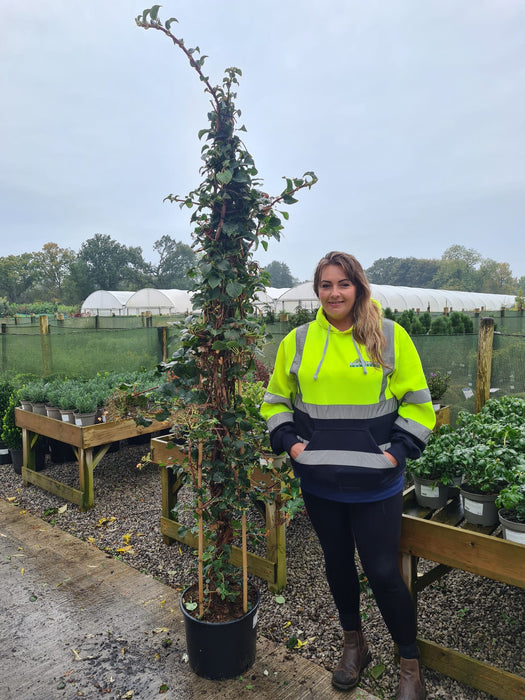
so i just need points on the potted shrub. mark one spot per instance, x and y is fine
(6, 389)
(511, 504)
(439, 470)
(11, 436)
(231, 217)
(36, 393)
(438, 383)
(492, 451)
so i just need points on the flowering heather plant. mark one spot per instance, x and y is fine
(438, 384)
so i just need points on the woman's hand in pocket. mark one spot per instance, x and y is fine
(295, 450)
(390, 457)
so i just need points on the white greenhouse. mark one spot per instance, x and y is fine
(403, 298)
(159, 301)
(104, 303)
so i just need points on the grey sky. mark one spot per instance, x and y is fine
(411, 113)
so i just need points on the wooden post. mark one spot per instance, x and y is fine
(45, 343)
(485, 342)
(162, 332)
(4, 347)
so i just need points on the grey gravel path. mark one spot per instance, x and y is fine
(482, 618)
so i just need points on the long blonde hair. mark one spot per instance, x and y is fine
(367, 315)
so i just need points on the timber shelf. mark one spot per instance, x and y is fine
(90, 443)
(271, 568)
(445, 538)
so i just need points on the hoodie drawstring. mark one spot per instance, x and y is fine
(361, 359)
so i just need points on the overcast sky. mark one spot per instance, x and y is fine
(411, 113)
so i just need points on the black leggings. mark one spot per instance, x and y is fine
(375, 529)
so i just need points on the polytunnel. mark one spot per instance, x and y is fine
(159, 301)
(404, 298)
(104, 303)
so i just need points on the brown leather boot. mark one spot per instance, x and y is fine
(411, 683)
(355, 658)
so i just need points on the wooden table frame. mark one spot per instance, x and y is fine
(443, 537)
(271, 568)
(90, 443)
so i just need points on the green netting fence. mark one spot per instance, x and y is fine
(73, 350)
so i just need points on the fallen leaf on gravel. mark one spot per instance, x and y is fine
(129, 694)
(22, 571)
(160, 629)
(62, 509)
(10, 499)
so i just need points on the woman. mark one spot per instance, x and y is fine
(349, 402)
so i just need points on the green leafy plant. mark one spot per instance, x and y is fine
(442, 460)
(438, 384)
(231, 217)
(11, 434)
(512, 499)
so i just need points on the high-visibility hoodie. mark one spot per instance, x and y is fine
(326, 393)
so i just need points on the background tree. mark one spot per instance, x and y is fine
(175, 260)
(457, 269)
(496, 277)
(405, 272)
(280, 275)
(110, 265)
(52, 265)
(17, 274)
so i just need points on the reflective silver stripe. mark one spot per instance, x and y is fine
(414, 428)
(389, 355)
(421, 396)
(342, 411)
(344, 458)
(277, 420)
(275, 398)
(300, 339)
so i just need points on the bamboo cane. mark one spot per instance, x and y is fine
(201, 534)
(244, 565)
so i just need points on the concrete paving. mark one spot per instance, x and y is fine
(76, 622)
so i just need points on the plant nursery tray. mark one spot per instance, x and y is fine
(445, 538)
(90, 443)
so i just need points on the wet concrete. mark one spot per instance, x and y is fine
(75, 622)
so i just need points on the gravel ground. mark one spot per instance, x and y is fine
(482, 618)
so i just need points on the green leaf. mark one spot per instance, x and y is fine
(154, 12)
(202, 132)
(190, 606)
(377, 671)
(224, 177)
(234, 289)
(169, 22)
(279, 599)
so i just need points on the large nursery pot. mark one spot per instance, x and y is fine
(512, 529)
(430, 493)
(221, 650)
(479, 508)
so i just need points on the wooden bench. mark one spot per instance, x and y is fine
(445, 538)
(90, 443)
(271, 568)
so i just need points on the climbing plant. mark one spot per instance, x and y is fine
(231, 217)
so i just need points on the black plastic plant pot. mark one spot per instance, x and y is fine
(221, 650)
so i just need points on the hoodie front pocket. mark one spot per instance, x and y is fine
(352, 447)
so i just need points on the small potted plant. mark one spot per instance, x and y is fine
(439, 470)
(511, 513)
(11, 436)
(36, 393)
(6, 389)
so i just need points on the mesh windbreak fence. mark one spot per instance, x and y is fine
(82, 353)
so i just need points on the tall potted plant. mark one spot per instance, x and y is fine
(231, 218)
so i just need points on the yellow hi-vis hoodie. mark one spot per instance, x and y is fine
(326, 393)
